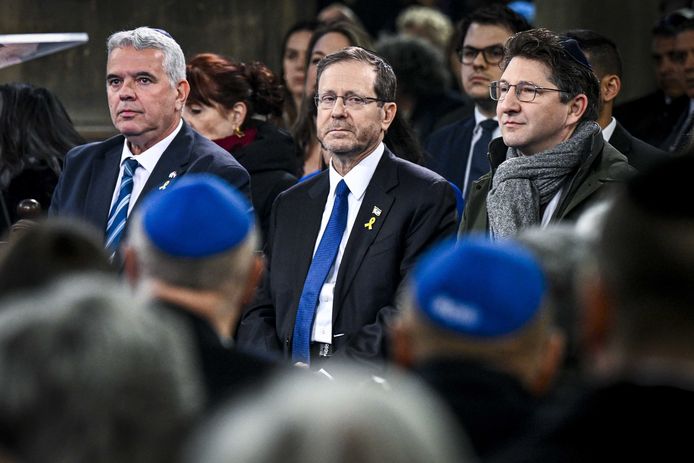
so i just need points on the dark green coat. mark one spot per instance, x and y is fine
(603, 166)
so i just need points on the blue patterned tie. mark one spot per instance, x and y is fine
(119, 211)
(320, 266)
(479, 165)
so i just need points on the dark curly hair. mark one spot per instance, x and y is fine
(495, 15)
(215, 79)
(566, 71)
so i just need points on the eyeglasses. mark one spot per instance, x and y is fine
(492, 55)
(525, 91)
(351, 101)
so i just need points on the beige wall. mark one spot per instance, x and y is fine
(242, 29)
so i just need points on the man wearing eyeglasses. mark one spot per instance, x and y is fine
(341, 243)
(552, 161)
(459, 151)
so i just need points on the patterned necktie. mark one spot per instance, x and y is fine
(683, 136)
(119, 211)
(317, 273)
(479, 165)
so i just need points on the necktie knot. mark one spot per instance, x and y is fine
(489, 125)
(129, 166)
(342, 189)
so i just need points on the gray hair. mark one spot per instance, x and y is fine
(90, 373)
(303, 419)
(144, 38)
(226, 271)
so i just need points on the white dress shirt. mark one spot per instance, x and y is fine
(148, 160)
(357, 181)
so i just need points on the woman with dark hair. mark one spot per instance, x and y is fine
(35, 134)
(232, 104)
(294, 57)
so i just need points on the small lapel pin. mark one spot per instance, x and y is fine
(164, 185)
(376, 211)
(370, 223)
(172, 174)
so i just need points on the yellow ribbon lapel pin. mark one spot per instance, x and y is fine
(376, 213)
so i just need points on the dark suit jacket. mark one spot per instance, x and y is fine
(226, 372)
(651, 118)
(417, 209)
(86, 186)
(640, 154)
(448, 150)
(618, 421)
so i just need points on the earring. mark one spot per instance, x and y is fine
(238, 132)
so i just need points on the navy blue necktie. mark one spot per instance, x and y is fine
(322, 261)
(479, 165)
(119, 212)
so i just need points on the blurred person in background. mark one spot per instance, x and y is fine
(653, 116)
(604, 58)
(424, 96)
(294, 59)
(302, 419)
(35, 134)
(92, 374)
(458, 151)
(233, 104)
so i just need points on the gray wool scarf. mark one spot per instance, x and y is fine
(523, 184)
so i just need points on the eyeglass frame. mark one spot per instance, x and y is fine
(484, 50)
(517, 91)
(367, 100)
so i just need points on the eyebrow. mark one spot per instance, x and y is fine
(134, 75)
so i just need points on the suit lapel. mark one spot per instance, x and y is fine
(174, 159)
(458, 162)
(621, 141)
(378, 195)
(105, 170)
(307, 226)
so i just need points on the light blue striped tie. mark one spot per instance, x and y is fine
(119, 211)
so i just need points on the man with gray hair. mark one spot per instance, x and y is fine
(91, 374)
(192, 249)
(147, 89)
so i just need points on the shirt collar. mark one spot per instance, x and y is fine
(609, 129)
(358, 178)
(149, 158)
(479, 117)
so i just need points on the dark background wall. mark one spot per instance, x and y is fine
(252, 29)
(243, 29)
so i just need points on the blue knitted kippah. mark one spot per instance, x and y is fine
(479, 288)
(198, 215)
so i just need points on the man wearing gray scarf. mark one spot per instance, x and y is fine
(551, 162)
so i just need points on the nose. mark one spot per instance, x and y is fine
(126, 91)
(509, 103)
(339, 108)
(479, 61)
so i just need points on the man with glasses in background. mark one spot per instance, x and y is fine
(552, 161)
(459, 151)
(341, 243)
